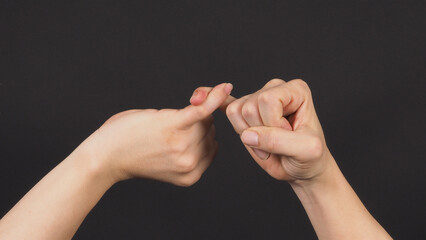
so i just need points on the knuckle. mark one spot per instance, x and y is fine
(302, 84)
(299, 81)
(275, 81)
(187, 164)
(265, 97)
(174, 142)
(248, 110)
(315, 147)
(232, 110)
(177, 148)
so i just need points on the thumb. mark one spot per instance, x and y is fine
(215, 99)
(282, 141)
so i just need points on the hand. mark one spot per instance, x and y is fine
(169, 145)
(280, 119)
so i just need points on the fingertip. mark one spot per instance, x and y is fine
(205, 100)
(228, 88)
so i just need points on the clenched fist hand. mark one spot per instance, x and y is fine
(280, 129)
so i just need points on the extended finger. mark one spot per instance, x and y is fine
(217, 96)
(200, 94)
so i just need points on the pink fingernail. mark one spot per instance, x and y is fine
(250, 138)
(228, 88)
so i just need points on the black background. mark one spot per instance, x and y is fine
(67, 67)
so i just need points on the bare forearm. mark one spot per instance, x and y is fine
(55, 207)
(335, 210)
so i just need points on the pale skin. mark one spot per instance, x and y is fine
(279, 118)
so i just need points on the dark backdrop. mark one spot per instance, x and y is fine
(66, 67)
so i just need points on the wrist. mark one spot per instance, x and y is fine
(328, 181)
(93, 166)
(334, 209)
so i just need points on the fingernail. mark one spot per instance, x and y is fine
(228, 88)
(250, 138)
(261, 154)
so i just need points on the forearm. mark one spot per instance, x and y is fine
(335, 210)
(55, 207)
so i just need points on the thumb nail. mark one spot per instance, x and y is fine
(250, 138)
